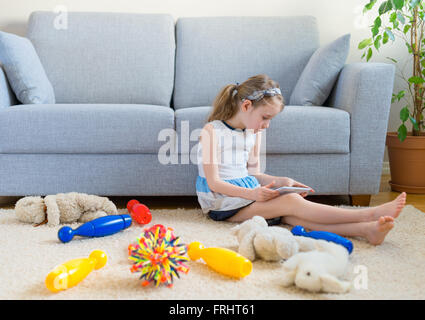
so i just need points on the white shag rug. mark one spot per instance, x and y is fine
(393, 270)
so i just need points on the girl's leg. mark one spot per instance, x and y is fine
(295, 205)
(373, 231)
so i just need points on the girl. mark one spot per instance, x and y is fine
(231, 187)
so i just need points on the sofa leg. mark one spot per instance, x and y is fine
(362, 200)
(8, 201)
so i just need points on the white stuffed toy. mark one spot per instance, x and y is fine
(257, 239)
(63, 208)
(318, 270)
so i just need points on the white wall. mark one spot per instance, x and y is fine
(335, 18)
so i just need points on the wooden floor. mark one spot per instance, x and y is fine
(385, 195)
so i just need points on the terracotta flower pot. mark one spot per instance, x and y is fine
(407, 163)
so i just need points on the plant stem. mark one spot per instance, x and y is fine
(418, 87)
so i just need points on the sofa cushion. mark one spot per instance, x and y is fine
(309, 129)
(81, 128)
(215, 51)
(100, 57)
(24, 70)
(297, 129)
(319, 76)
(7, 96)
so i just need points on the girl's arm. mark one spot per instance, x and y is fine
(210, 166)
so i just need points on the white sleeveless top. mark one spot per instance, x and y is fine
(234, 146)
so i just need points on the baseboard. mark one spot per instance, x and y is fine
(385, 168)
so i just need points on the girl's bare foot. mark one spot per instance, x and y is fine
(377, 230)
(392, 208)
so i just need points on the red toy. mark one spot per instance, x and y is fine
(139, 212)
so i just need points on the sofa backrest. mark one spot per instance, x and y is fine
(92, 57)
(215, 51)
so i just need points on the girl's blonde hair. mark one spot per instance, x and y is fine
(227, 102)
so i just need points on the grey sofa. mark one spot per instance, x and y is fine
(121, 79)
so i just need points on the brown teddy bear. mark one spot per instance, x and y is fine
(63, 208)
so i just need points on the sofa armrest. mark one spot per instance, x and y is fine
(7, 97)
(365, 90)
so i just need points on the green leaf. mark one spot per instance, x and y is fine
(375, 31)
(376, 26)
(369, 6)
(378, 22)
(369, 54)
(394, 97)
(406, 28)
(416, 80)
(402, 132)
(385, 7)
(398, 4)
(400, 18)
(393, 17)
(413, 121)
(395, 25)
(404, 114)
(377, 42)
(390, 34)
(398, 96)
(365, 43)
(392, 59)
(401, 94)
(409, 47)
(385, 38)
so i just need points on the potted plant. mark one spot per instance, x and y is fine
(404, 19)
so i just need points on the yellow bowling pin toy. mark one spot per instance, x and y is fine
(222, 260)
(74, 271)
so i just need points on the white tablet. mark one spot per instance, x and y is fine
(283, 190)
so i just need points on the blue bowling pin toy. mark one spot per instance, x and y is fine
(100, 227)
(323, 235)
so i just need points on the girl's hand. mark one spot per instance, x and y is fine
(293, 183)
(264, 193)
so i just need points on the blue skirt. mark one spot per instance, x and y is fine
(210, 200)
